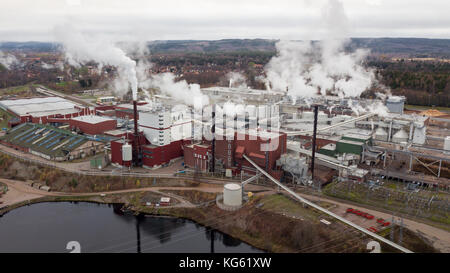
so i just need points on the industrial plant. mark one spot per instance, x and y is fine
(305, 142)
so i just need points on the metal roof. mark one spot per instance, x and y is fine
(51, 141)
(39, 107)
(92, 119)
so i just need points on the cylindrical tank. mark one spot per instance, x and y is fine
(127, 154)
(447, 143)
(232, 194)
(381, 134)
(400, 136)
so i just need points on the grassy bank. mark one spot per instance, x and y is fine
(62, 181)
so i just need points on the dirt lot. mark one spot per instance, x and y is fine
(193, 196)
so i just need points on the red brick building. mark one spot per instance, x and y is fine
(197, 156)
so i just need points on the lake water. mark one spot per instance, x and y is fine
(48, 227)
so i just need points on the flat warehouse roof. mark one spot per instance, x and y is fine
(39, 106)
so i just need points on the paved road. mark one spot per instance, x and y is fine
(48, 92)
(20, 191)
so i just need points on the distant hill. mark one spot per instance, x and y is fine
(226, 45)
(407, 47)
(411, 47)
(34, 46)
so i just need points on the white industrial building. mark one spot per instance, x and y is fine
(163, 125)
(40, 107)
(239, 94)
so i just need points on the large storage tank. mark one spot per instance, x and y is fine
(400, 136)
(420, 133)
(381, 134)
(447, 144)
(232, 194)
(127, 154)
(395, 104)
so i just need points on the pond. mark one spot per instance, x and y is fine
(49, 227)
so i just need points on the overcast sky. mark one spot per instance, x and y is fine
(25, 20)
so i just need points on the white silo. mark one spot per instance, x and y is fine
(232, 194)
(400, 136)
(127, 154)
(381, 134)
(447, 144)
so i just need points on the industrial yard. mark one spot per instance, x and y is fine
(383, 163)
(290, 127)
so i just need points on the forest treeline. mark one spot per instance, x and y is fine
(423, 83)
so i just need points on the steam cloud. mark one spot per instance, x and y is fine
(47, 66)
(307, 69)
(7, 60)
(180, 90)
(236, 79)
(79, 50)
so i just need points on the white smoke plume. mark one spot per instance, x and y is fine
(60, 66)
(47, 66)
(237, 80)
(265, 81)
(80, 49)
(7, 60)
(230, 109)
(307, 69)
(190, 94)
(377, 108)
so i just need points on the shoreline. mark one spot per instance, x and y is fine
(55, 199)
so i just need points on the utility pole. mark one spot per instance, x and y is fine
(316, 110)
(213, 144)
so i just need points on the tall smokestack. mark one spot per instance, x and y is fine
(213, 145)
(316, 110)
(136, 147)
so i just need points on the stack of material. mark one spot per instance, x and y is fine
(432, 113)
